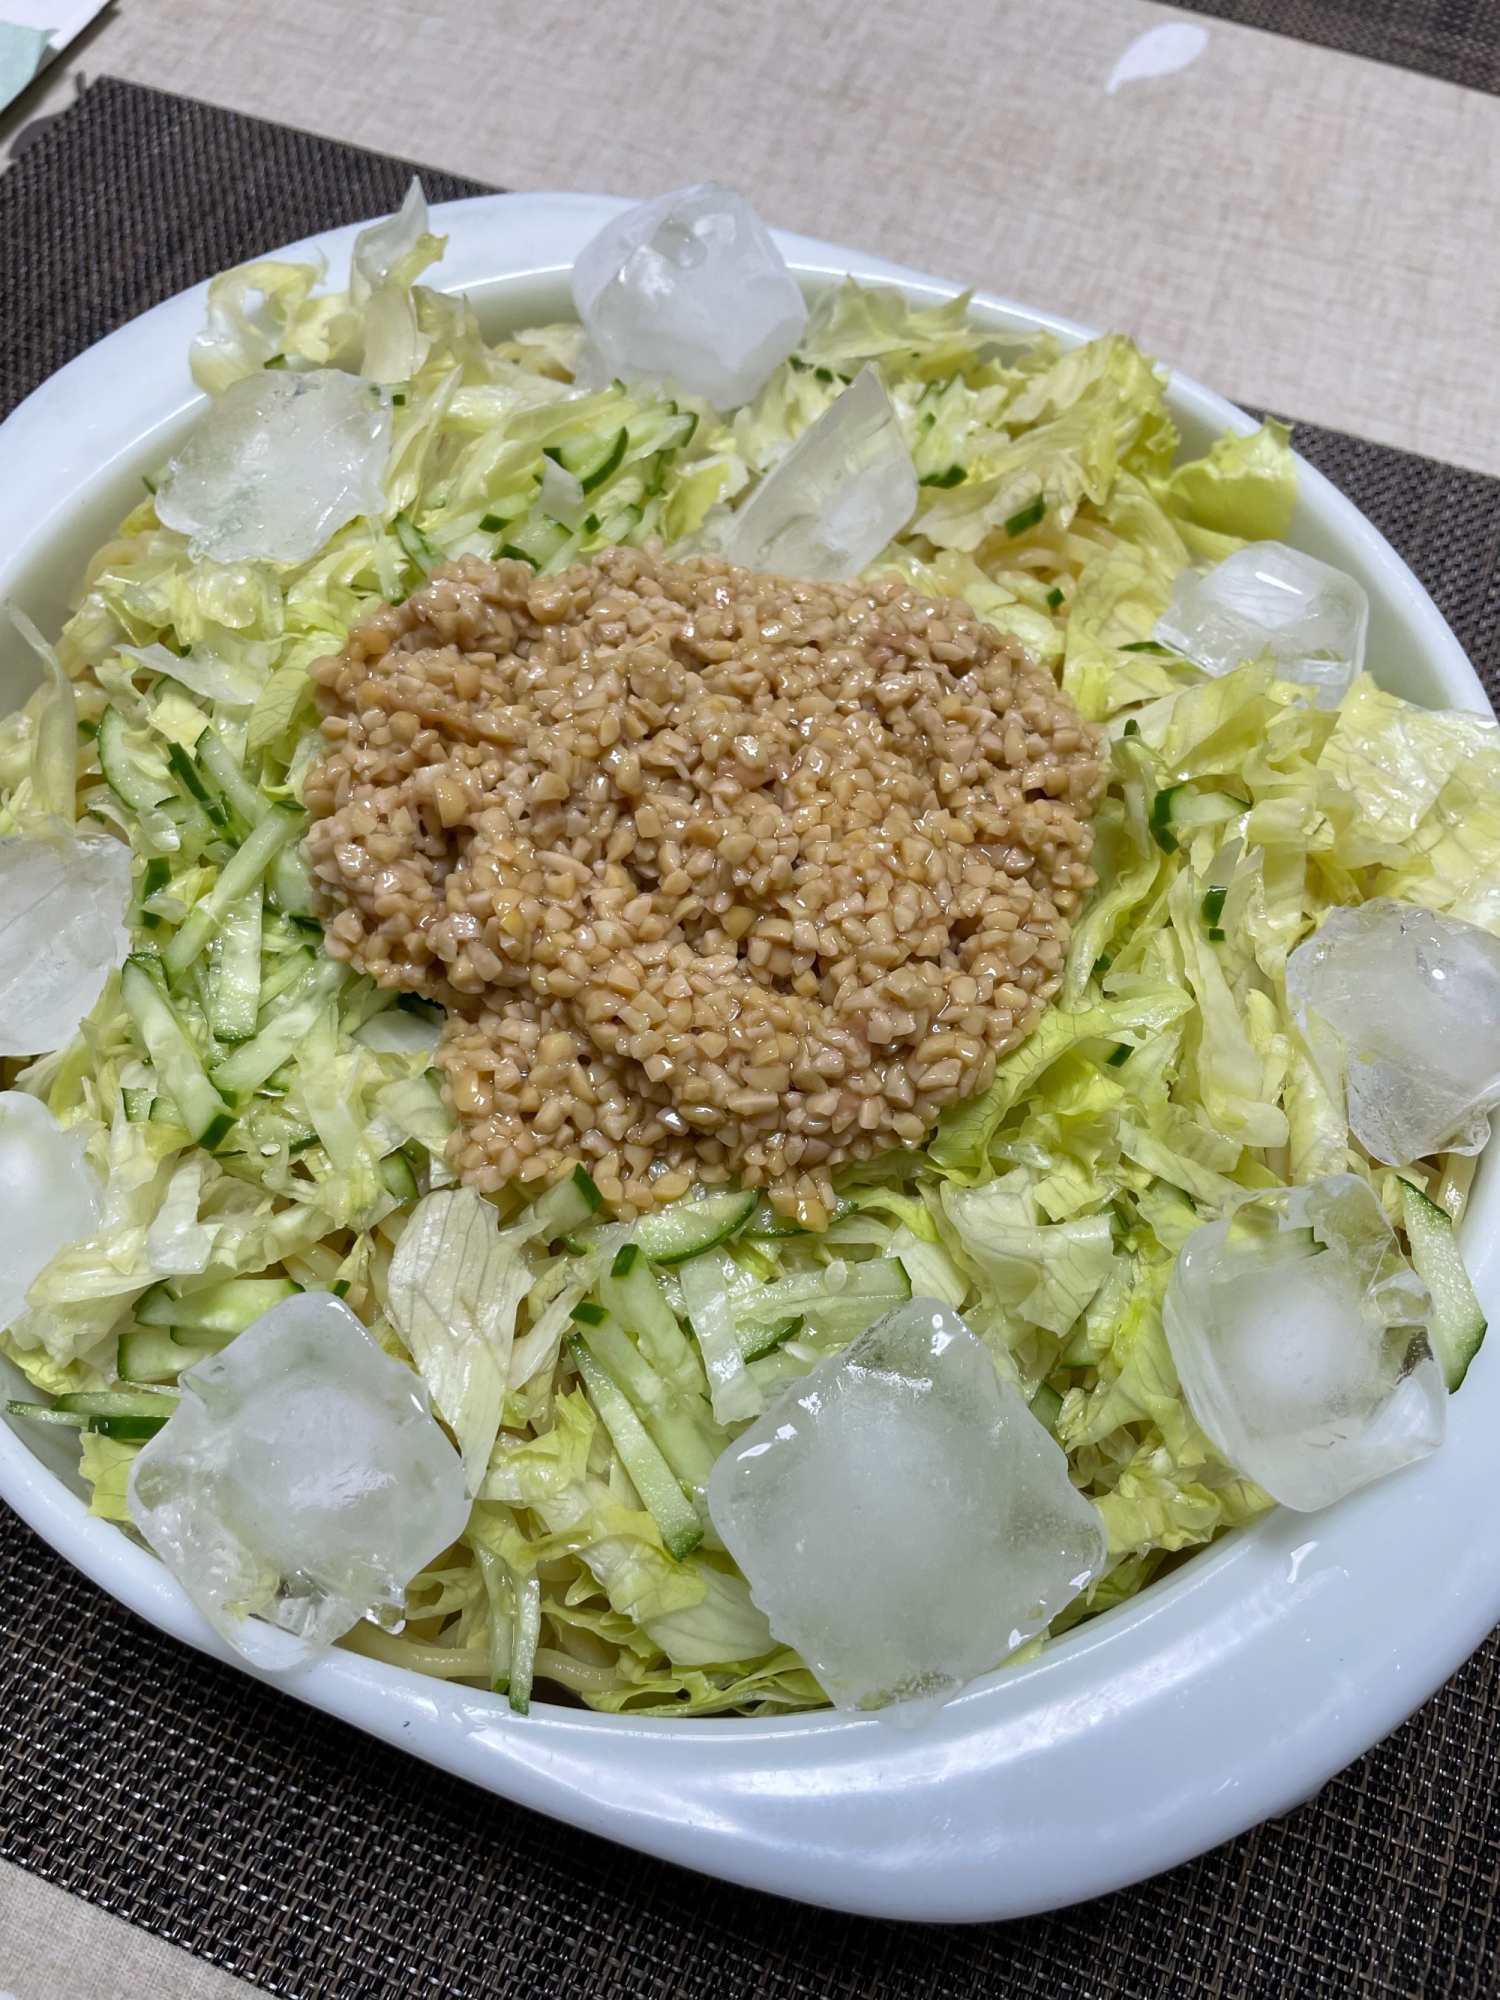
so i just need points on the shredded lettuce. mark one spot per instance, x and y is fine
(1169, 1079)
(454, 1286)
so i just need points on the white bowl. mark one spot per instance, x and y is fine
(1229, 1692)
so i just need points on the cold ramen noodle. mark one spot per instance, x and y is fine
(727, 1007)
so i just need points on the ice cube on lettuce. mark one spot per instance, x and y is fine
(49, 1195)
(692, 287)
(62, 932)
(840, 493)
(302, 1480)
(1299, 1335)
(1414, 999)
(278, 462)
(1311, 617)
(902, 1519)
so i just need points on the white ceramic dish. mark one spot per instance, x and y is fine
(1227, 1693)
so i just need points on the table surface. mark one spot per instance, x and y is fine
(978, 140)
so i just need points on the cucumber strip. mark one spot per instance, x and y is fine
(291, 886)
(129, 1429)
(240, 874)
(218, 761)
(842, 1319)
(661, 429)
(150, 1354)
(190, 780)
(155, 877)
(246, 1068)
(137, 778)
(497, 1590)
(1457, 1327)
(653, 1478)
(565, 1207)
(399, 1177)
(525, 1636)
(159, 1403)
(881, 1282)
(706, 1284)
(416, 545)
(632, 1295)
(1046, 1406)
(235, 1007)
(1179, 809)
(688, 1228)
(226, 1308)
(766, 1226)
(538, 541)
(203, 1111)
(608, 464)
(617, 527)
(43, 1413)
(758, 1341)
(590, 459)
(682, 1443)
(291, 975)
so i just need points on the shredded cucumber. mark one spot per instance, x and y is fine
(1458, 1325)
(203, 1109)
(673, 1512)
(688, 1228)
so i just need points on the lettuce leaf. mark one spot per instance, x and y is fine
(960, 1149)
(1243, 490)
(1046, 1273)
(455, 1283)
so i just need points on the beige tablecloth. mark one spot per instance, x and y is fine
(1300, 228)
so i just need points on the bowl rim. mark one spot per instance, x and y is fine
(1228, 1692)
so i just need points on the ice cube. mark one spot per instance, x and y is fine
(1414, 998)
(302, 1478)
(1299, 1334)
(901, 1517)
(279, 461)
(833, 502)
(62, 932)
(690, 286)
(49, 1194)
(1311, 616)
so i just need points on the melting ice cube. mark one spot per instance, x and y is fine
(833, 502)
(49, 1194)
(302, 1477)
(1299, 1334)
(62, 931)
(1311, 616)
(903, 1520)
(279, 461)
(1415, 999)
(690, 285)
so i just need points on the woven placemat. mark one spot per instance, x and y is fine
(1457, 40)
(299, 1854)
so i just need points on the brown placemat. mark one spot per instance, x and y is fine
(1457, 40)
(299, 1854)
